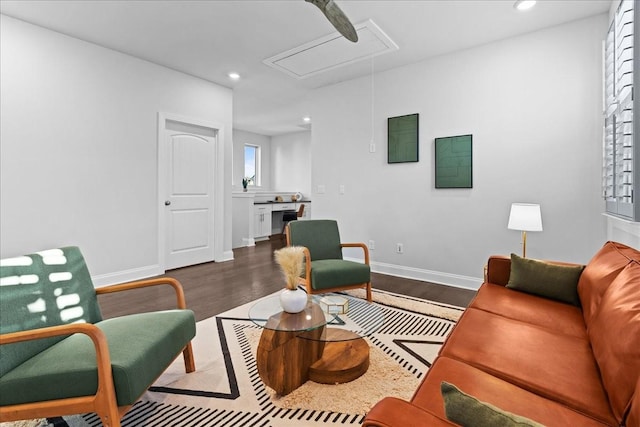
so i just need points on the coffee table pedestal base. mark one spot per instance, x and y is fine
(285, 361)
(341, 361)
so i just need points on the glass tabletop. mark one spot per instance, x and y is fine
(340, 317)
(267, 313)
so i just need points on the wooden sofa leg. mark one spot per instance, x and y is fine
(369, 297)
(189, 362)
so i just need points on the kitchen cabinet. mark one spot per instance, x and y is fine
(261, 221)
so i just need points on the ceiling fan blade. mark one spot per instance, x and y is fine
(338, 19)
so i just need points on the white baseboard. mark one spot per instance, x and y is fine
(455, 280)
(140, 273)
(226, 256)
(438, 277)
(126, 275)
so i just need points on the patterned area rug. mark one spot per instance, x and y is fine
(226, 389)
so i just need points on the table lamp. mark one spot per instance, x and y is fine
(525, 217)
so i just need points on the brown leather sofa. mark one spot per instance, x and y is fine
(549, 361)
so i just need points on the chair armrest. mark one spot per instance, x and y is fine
(103, 359)
(392, 411)
(364, 247)
(181, 301)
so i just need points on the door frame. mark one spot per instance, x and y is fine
(217, 188)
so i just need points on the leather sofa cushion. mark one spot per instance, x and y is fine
(553, 315)
(495, 391)
(603, 268)
(392, 411)
(331, 273)
(553, 365)
(615, 338)
(68, 368)
(633, 419)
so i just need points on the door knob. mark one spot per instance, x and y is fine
(167, 202)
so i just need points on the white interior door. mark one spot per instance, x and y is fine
(189, 156)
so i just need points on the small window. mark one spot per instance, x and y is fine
(252, 164)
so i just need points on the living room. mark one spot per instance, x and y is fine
(80, 158)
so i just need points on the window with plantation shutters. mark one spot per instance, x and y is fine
(621, 157)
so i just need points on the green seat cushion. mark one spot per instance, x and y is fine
(468, 411)
(558, 282)
(331, 273)
(141, 347)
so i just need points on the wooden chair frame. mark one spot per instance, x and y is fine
(104, 402)
(306, 280)
(299, 214)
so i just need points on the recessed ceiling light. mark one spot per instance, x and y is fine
(306, 119)
(234, 76)
(524, 4)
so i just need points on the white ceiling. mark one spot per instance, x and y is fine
(208, 39)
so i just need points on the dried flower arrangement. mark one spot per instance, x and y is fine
(290, 261)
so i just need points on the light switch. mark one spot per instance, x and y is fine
(341, 188)
(372, 148)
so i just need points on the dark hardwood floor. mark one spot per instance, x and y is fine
(213, 288)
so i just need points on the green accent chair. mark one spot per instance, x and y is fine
(58, 356)
(325, 269)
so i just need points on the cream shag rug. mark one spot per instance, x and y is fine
(340, 398)
(26, 423)
(226, 389)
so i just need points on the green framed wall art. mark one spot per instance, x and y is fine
(402, 139)
(453, 162)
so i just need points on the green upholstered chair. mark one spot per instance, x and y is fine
(325, 269)
(58, 356)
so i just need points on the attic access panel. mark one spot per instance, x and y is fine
(332, 51)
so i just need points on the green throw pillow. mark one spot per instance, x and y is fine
(470, 412)
(558, 282)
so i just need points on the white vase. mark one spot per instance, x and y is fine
(293, 301)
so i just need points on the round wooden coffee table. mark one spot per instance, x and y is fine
(313, 344)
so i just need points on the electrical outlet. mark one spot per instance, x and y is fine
(372, 245)
(399, 248)
(321, 189)
(341, 188)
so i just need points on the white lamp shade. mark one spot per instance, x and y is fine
(525, 217)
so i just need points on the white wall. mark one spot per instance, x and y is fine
(240, 138)
(286, 160)
(291, 162)
(533, 104)
(79, 148)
